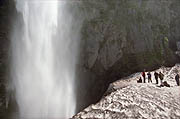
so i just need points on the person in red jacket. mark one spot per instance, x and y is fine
(144, 76)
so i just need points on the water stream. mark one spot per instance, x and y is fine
(43, 60)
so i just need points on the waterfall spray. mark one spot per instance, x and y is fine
(43, 59)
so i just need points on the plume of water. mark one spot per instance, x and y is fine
(43, 59)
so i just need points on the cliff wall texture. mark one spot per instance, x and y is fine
(120, 37)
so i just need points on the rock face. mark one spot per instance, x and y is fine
(119, 32)
(6, 12)
(120, 37)
(130, 100)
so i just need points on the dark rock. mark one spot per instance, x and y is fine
(120, 37)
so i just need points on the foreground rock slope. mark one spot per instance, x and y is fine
(127, 99)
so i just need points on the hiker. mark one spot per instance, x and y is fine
(161, 76)
(156, 77)
(144, 76)
(149, 77)
(165, 84)
(140, 80)
(177, 79)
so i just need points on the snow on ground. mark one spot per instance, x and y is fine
(128, 99)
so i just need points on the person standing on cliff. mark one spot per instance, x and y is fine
(156, 76)
(177, 79)
(149, 77)
(144, 76)
(161, 76)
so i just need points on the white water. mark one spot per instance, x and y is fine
(43, 59)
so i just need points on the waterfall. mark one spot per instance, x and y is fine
(44, 55)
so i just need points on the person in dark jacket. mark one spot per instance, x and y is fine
(140, 80)
(161, 76)
(149, 77)
(164, 84)
(144, 76)
(177, 79)
(156, 77)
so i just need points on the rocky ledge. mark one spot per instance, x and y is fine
(128, 99)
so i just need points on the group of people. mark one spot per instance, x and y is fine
(157, 76)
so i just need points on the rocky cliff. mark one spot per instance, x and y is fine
(6, 13)
(124, 34)
(120, 37)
